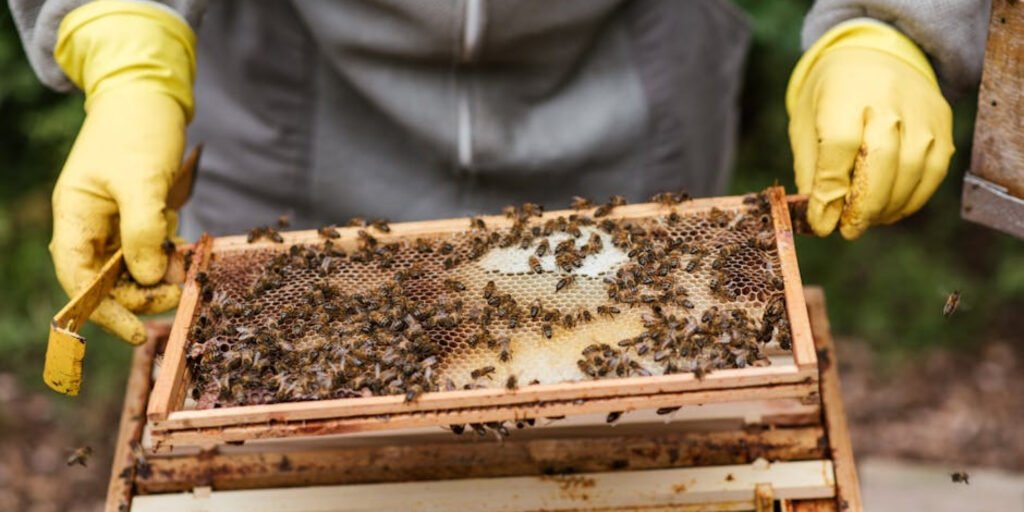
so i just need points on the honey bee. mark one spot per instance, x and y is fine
(485, 371)
(564, 282)
(960, 477)
(542, 248)
(423, 246)
(477, 223)
(535, 308)
(608, 311)
(457, 429)
(580, 203)
(167, 246)
(454, 285)
(80, 456)
(446, 248)
(546, 330)
(666, 410)
(328, 232)
(512, 383)
(613, 417)
(506, 353)
(489, 289)
(952, 302)
(356, 222)
(532, 210)
(665, 199)
(535, 265)
(687, 304)
(380, 225)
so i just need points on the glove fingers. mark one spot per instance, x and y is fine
(936, 165)
(912, 163)
(143, 231)
(147, 300)
(838, 145)
(117, 320)
(79, 239)
(873, 175)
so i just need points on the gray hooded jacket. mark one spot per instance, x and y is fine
(326, 110)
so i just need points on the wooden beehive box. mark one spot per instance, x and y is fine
(778, 378)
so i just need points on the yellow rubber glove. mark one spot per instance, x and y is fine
(135, 63)
(870, 131)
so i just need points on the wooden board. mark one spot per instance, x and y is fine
(998, 151)
(359, 414)
(732, 487)
(480, 458)
(841, 448)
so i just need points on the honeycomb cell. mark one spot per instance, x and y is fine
(323, 325)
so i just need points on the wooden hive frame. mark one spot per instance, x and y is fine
(689, 464)
(172, 425)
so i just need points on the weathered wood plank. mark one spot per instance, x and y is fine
(483, 458)
(998, 151)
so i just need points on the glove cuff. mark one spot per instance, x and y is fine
(862, 33)
(109, 44)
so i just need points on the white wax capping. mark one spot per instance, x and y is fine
(514, 260)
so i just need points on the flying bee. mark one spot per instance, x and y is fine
(535, 265)
(512, 383)
(952, 302)
(485, 371)
(283, 221)
(564, 282)
(80, 456)
(608, 311)
(960, 477)
(617, 200)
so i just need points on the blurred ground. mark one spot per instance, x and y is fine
(944, 411)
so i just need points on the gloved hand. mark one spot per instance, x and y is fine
(870, 131)
(135, 63)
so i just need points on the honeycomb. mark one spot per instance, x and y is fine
(488, 307)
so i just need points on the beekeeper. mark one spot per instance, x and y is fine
(327, 109)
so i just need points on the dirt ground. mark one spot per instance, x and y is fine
(952, 409)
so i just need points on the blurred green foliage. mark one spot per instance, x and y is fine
(888, 287)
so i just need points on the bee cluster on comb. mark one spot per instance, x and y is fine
(535, 299)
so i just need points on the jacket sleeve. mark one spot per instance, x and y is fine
(951, 32)
(38, 20)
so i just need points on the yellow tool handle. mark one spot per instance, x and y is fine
(65, 349)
